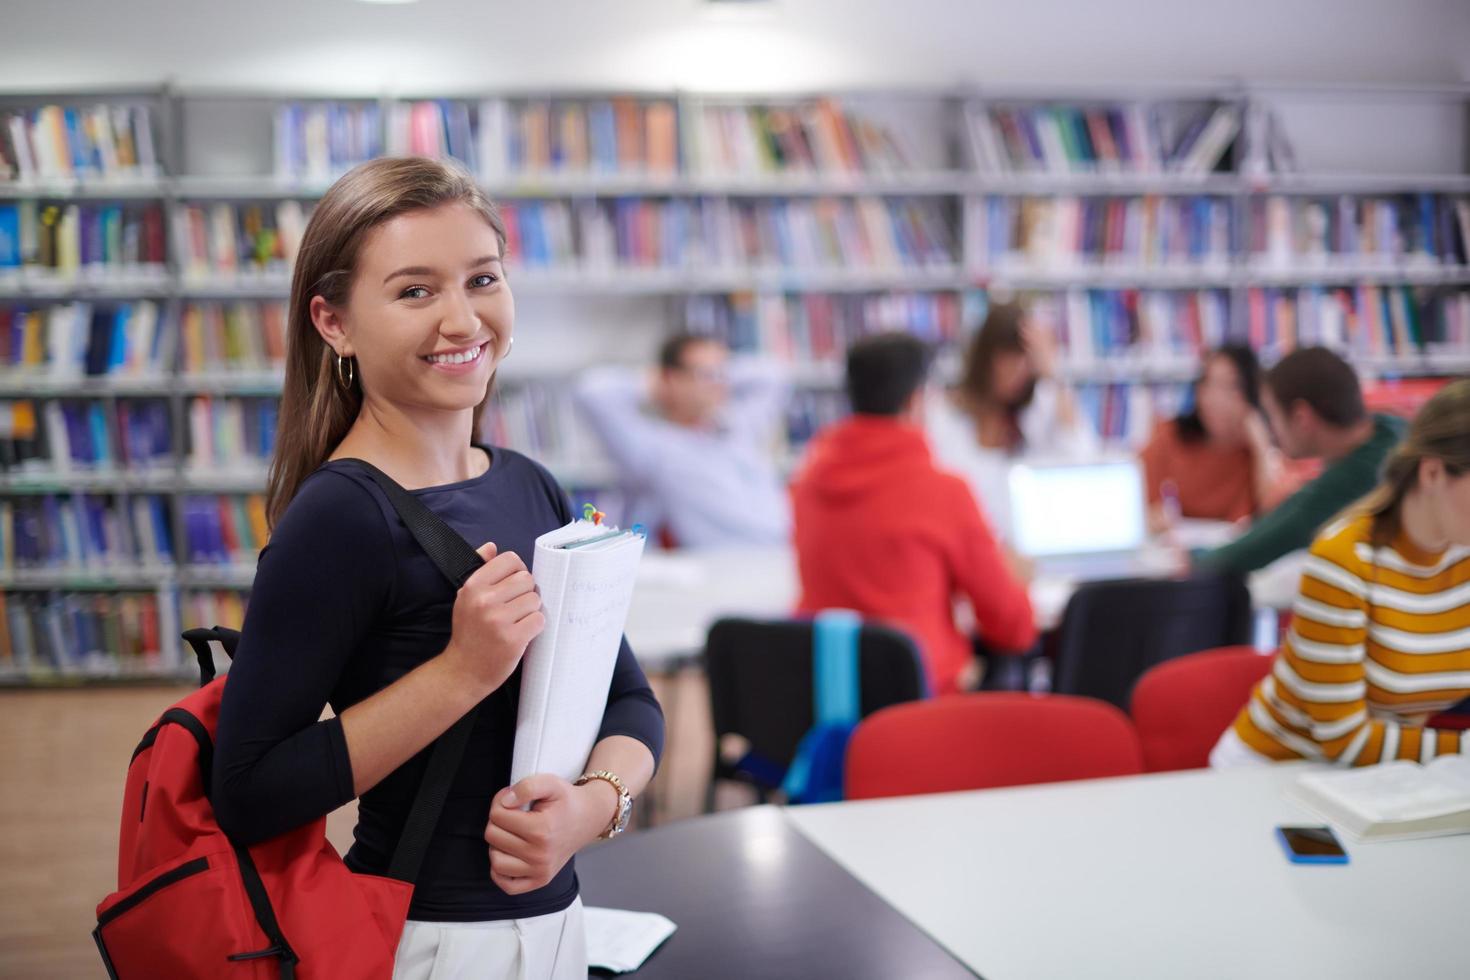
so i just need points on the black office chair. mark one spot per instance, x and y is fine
(1112, 632)
(760, 686)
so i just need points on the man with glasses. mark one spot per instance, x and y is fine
(694, 446)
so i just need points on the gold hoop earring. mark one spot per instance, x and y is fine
(346, 382)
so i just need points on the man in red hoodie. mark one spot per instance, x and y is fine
(881, 530)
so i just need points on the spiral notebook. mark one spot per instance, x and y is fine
(585, 573)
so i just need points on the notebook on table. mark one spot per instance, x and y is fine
(585, 574)
(1394, 801)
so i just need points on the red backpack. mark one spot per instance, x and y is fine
(192, 902)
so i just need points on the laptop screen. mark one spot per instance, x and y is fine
(1090, 508)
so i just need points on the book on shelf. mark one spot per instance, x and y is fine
(231, 434)
(233, 337)
(69, 341)
(440, 129)
(1362, 231)
(228, 240)
(547, 137)
(85, 533)
(1140, 328)
(63, 437)
(227, 529)
(1060, 232)
(1125, 138)
(1125, 413)
(538, 418)
(75, 241)
(87, 633)
(203, 609)
(817, 328)
(1366, 320)
(1398, 800)
(63, 143)
(320, 141)
(820, 136)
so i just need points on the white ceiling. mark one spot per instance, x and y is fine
(464, 45)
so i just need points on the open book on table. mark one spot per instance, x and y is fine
(1393, 801)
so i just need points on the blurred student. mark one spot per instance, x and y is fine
(880, 529)
(1316, 410)
(1380, 639)
(1216, 462)
(1007, 404)
(693, 446)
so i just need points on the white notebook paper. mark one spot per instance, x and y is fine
(620, 941)
(1393, 801)
(585, 574)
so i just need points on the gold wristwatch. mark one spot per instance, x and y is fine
(625, 801)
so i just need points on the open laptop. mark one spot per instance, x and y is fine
(1081, 520)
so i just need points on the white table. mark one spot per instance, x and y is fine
(1168, 876)
(681, 594)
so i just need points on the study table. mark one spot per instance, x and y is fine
(1167, 876)
(755, 900)
(681, 594)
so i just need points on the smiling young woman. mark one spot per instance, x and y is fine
(400, 316)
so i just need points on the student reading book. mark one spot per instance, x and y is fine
(400, 315)
(1380, 633)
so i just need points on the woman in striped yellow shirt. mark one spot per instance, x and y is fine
(1380, 636)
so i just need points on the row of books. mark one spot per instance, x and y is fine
(1051, 232)
(713, 234)
(819, 327)
(100, 142)
(202, 609)
(1295, 231)
(1126, 413)
(82, 239)
(85, 533)
(233, 337)
(815, 137)
(541, 420)
(227, 239)
(82, 435)
(323, 140)
(608, 136)
(92, 634)
(1144, 326)
(1369, 321)
(72, 340)
(810, 410)
(494, 138)
(231, 434)
(1129, 138)
(223, 530)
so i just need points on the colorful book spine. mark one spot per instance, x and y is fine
(1142, 328)
(65, 143)
(73, 340)
(229, 240)
(1365, 321)
(319, 142)
(813, 137)
(86, 533)
(87, 634)
(231, 434)
(1404, 230)
(232, 337)
(1008, 234)
(228, 529)
(82, 241)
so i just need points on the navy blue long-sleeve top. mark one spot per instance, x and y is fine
(345, 602)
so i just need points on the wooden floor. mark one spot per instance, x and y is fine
(63, 759)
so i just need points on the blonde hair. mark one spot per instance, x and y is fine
(316, 410)
(1440, 431)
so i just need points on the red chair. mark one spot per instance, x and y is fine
(1181, 707)
(976, 741)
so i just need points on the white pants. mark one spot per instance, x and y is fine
(1231, 752)
(546, 947)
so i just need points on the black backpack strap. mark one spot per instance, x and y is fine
(457, 561)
